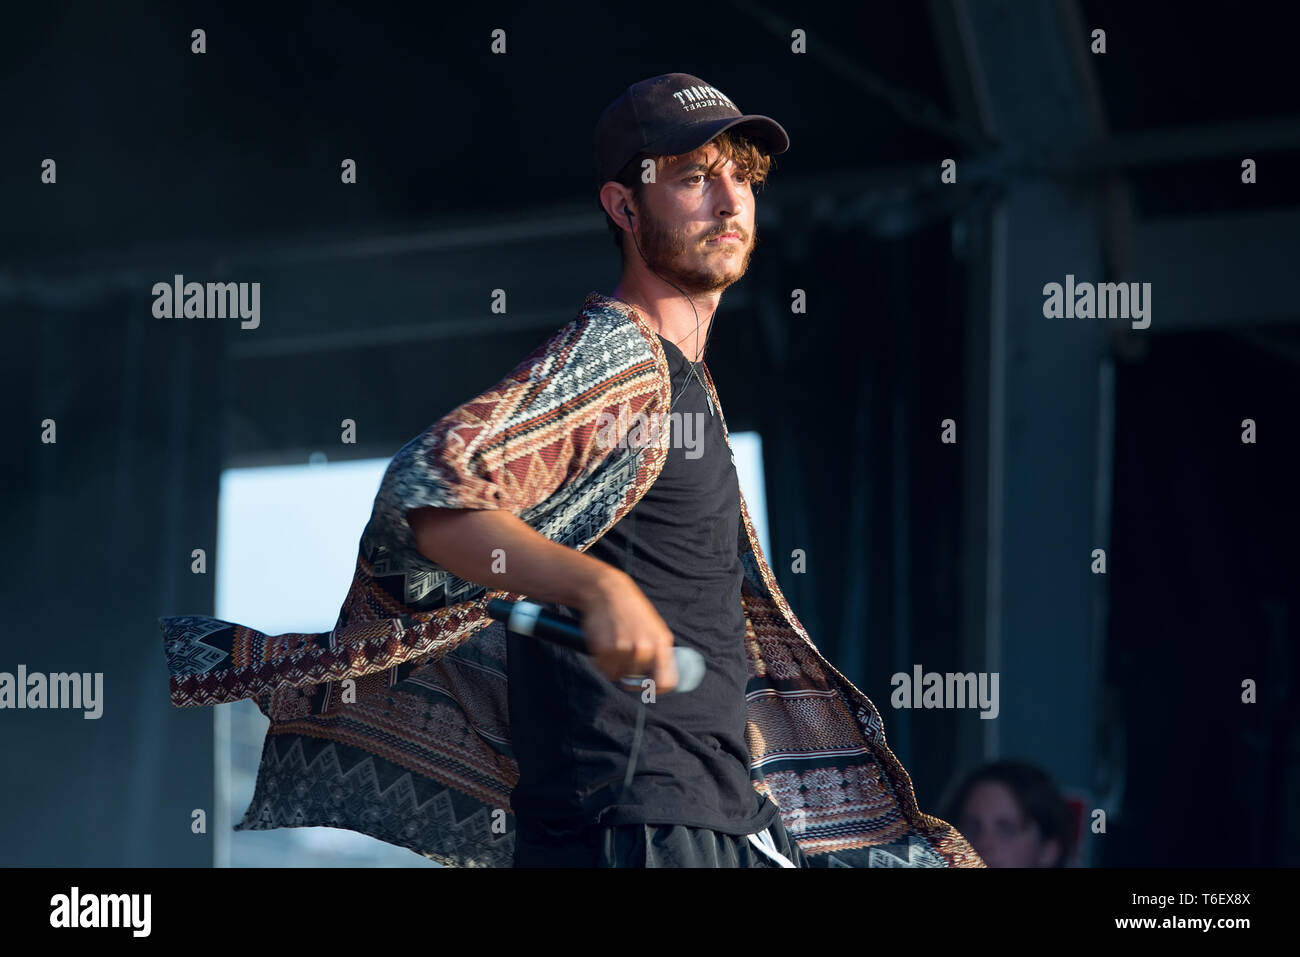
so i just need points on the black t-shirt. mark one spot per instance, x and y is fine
(572, 727)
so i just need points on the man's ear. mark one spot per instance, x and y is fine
(613, 197)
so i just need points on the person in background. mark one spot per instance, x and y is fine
(1014, 815)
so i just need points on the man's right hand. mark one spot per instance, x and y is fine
(624, 632)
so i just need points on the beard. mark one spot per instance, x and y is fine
(690, 263)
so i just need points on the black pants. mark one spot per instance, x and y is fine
(652, 845)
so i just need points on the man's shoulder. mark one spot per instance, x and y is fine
(602, 339)
(608, 318)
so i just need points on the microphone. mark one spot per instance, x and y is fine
(531, 619)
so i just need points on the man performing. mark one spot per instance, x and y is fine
(597, 478)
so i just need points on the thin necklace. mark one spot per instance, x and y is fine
(694, 366)
(692, 370)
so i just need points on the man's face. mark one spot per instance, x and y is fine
(697, 226)
(992, 821)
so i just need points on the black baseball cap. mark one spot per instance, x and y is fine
(670, 115)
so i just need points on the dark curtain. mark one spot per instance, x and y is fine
(1203, 575)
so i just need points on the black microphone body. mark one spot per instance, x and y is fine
(544, 624)
(531, 619)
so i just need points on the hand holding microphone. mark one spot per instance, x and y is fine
(620, 628)
(625, 634)
(684, 669)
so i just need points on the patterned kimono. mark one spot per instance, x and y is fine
(395, 723)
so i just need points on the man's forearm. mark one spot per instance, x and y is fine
(497, 549)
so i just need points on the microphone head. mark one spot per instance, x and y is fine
(690, 669)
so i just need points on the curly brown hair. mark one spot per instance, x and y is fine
(737, 147)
